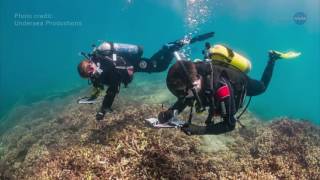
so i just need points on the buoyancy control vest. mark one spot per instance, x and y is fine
(212, 75)
(238, 81)
(111, 64)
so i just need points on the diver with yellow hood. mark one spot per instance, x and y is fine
(219, 84)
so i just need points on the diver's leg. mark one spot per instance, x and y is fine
(256, 87)
(144, 65)
(220, 128)
(160, 60)
(268, 71)
(216, 129)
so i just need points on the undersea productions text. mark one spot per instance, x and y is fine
(42, 20)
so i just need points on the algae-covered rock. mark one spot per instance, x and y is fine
(36, 152)
(215, 143)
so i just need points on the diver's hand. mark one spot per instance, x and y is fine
(165, 116)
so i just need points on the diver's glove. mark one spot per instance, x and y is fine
(100, 114)
(165, 116)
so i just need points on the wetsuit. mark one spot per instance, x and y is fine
(112, 75)
(158, 62)
(115, 73)
(234, 86)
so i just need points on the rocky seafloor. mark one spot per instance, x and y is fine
(59, 139)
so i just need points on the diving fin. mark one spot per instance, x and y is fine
(172, 123)
(287, 55)
(201, 37)
(87, 100)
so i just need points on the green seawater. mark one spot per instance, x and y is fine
(39, 60)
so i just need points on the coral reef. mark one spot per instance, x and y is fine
(67, 143)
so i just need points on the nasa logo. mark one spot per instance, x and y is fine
(300, 18)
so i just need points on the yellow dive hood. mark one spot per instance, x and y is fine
(222, 54)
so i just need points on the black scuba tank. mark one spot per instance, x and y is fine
(120, 49)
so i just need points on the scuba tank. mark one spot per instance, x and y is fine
(224, 55)
(125, 50)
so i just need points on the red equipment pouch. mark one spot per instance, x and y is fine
(223, 92)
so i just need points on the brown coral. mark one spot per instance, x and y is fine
(70, 146)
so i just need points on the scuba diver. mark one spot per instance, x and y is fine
(113, 64)
(219, 84)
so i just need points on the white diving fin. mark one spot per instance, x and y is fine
(87, 100)
(172, 123)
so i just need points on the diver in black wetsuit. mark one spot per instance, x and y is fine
(113, 64)
(222, 89)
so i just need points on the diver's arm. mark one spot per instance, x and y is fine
(165, 116)
(179, 105)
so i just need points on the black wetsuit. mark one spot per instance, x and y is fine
(240, 85)
(115, 73)
(158, 62)
(112, 77)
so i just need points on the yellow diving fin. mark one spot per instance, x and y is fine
(287, 55)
